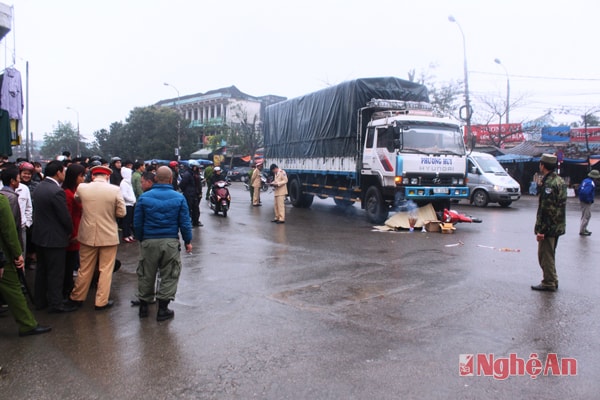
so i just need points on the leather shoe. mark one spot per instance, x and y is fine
(73, 303)
(104, 307)
(586, 233)
(275, 220)
(544, 288)
(64, 309)
(280, 222)
(38, 330)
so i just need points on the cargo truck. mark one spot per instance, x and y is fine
(376, 141)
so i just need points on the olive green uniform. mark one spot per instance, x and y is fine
(551, 222)
(10, 287)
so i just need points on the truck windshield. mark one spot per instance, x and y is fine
(433, 139)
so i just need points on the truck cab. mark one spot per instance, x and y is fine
(410, 154)
(489, 182)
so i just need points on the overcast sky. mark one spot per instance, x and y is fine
(105, 57)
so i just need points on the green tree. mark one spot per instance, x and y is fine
(589, 119)
(63, 138)
(148, 132)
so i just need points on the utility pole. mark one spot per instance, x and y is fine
(467, 106)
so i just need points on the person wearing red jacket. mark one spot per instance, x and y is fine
(74, 176)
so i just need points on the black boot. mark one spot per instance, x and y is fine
(143, 313)
(164, 313)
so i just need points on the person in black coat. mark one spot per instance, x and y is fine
(52, 226)
(190, 192)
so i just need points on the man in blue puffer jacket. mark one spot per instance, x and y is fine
(160, 214)
(587, 191)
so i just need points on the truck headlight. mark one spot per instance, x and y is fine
(499, 188)
(414, 181)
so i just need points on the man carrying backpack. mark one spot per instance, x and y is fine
(587, 190)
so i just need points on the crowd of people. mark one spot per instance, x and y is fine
(64, 224)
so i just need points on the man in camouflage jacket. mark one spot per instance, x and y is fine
(550, 222)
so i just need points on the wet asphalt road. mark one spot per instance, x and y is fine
(323, 307)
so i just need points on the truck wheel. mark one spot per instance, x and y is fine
(505, 203)
(343, 203)
(480, 198)
(375, 207)
(296, 193)
(307, 200)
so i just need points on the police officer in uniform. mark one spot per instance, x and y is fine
(550, 222)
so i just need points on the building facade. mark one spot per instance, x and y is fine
(221, 107)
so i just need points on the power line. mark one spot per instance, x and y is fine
(551, 78)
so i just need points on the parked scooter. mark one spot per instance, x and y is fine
(220, 199)
(264, 185)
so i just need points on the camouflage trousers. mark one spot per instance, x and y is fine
(546, 258)
(162, 256)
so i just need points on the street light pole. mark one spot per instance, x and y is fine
(78, 137)
(497, 61)
(178, 122)
(467, 105)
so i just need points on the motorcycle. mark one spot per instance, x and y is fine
(264, 185)
(219, 198)
(454, 217)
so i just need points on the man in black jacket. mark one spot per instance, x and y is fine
(52, 228)
(190, 192)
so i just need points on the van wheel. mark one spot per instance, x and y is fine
(480, 198)
(505, 203)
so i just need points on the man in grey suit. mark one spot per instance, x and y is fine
(52, 228)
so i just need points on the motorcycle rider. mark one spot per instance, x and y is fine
(217, 176)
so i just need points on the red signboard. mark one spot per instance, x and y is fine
(495, 134)
(578, 134)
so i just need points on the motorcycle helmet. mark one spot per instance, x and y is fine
(26, 166)
(217, 169)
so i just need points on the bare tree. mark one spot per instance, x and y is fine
(444, 96)
(491, 113)
(246, 129)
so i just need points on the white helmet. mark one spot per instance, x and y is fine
(217, 169)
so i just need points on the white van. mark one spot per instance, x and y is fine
(489, 182)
